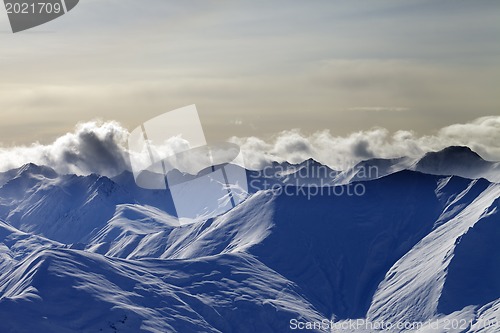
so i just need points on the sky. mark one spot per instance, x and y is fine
(253, 68)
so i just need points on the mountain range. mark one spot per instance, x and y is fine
(98, 254)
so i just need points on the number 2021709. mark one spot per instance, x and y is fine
(33, 8)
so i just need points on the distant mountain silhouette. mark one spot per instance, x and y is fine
(458, 161)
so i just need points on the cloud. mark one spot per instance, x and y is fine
(101, 147)
(481, 135)
(93, 147)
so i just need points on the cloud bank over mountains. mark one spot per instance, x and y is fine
(339, 152)
(93, 147)
(101, 147)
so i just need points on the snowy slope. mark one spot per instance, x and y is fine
(413, 287)
(16, 245)
(74, 291)
(67, 208)
(373, 169)
(90, 254)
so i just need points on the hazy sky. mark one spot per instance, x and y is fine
(253, 68)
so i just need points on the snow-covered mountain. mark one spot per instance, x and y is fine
(451, 161)
(373, 168)
(94, 254)
(460, 161)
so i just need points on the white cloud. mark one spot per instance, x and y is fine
(101, 147)
(93, 147)
(481, 135)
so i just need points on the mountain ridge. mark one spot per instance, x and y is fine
(398, 252)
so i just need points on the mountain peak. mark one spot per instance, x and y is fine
(462, 150)
(34, 169)
(454, 160)
(310, 162)
(461, 154)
